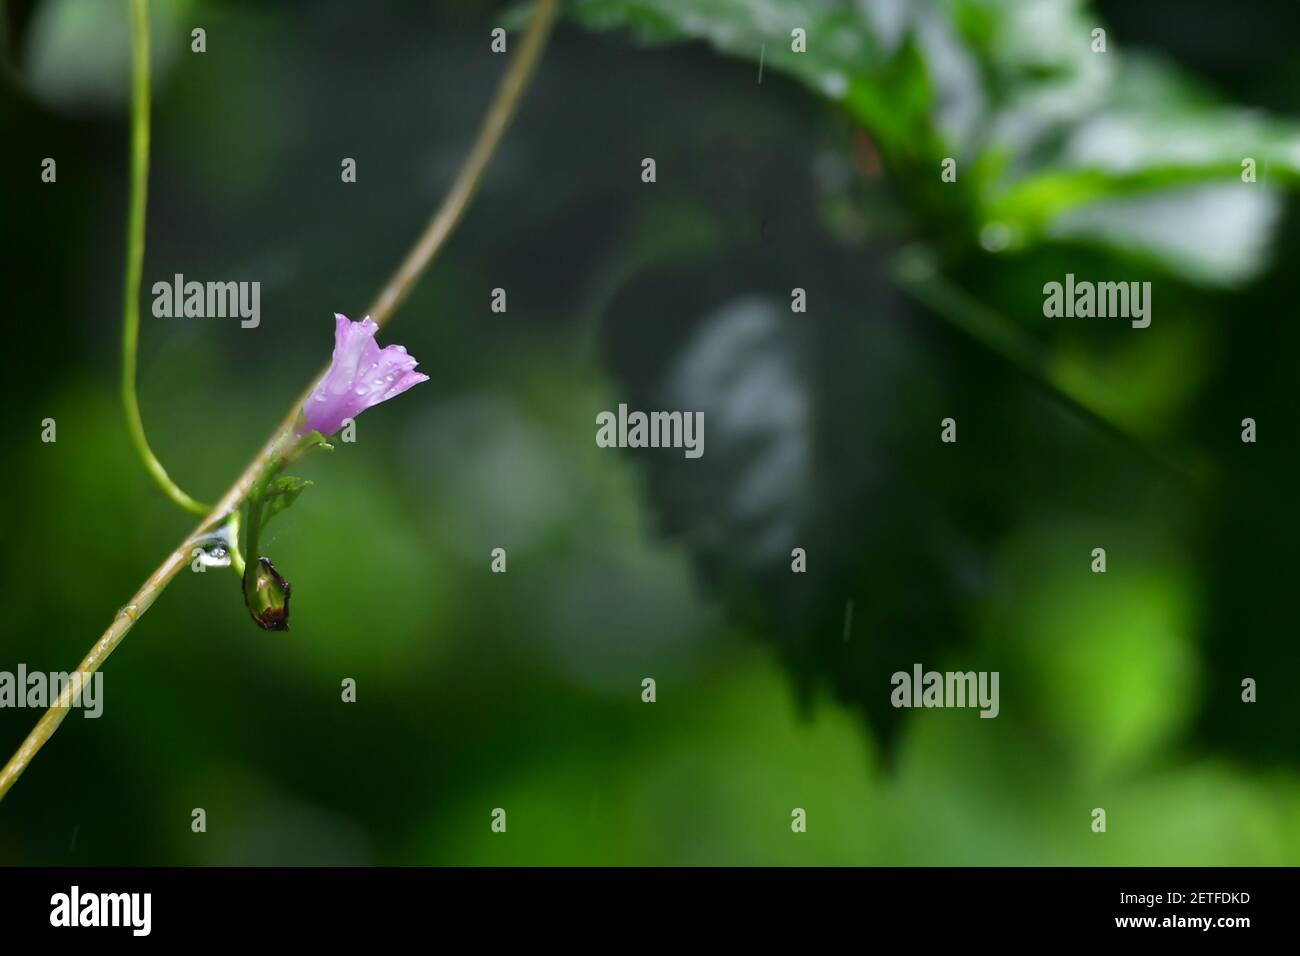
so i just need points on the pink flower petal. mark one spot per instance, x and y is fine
(361, 375)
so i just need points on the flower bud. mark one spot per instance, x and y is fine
(266, 595)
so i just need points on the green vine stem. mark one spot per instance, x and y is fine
(440, 227)
(232, 538)
(135, 255)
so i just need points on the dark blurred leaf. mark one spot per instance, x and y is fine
(810, 424)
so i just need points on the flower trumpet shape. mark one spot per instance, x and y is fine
(360, 375)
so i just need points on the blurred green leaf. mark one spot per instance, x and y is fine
(78, 52)
(281, 494)
(1054, 142)
(1155, 171)
(848, 57)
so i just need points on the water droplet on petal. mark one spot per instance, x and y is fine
(215, 556)
(214, 549)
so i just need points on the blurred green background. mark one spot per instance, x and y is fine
(523, 690)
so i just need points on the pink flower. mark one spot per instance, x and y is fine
(361, 374)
